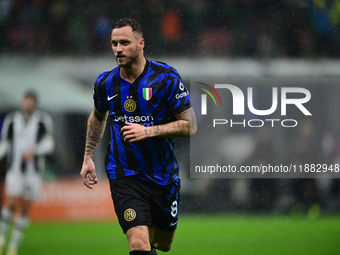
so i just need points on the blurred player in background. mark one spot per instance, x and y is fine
(26, 137)
(148, 106)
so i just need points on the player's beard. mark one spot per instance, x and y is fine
(128, 60)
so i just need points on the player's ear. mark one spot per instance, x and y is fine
(141, 43)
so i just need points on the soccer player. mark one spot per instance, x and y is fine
(26, 138)
(148, 106)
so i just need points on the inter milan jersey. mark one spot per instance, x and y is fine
(152, 99)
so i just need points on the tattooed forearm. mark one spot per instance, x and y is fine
(157, 131)
(95, 130)
(185, 125)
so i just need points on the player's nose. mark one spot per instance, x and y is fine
(119, 48)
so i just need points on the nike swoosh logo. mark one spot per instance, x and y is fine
(173, 223)
(109, 98)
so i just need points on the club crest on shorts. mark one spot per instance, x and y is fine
(147, 93)
(129, 214)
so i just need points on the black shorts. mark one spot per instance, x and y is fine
(140, 202)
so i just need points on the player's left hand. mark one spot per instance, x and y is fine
(133, 132)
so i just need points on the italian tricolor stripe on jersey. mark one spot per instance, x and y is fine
(147, 93)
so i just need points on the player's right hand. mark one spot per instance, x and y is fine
(88, 173)
(27, 155)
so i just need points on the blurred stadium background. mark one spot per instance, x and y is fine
(59, 47)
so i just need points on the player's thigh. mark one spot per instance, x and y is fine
(32, 187)
(11, 202)
(130, 203)
(165, 207)
(14, 183)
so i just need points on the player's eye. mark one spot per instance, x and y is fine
(114, 44)
(124, 43)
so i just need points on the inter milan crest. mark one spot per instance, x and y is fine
(130, 105)
(129, 214)
(147, 93)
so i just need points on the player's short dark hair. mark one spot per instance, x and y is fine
(123, 22)
(31, 94)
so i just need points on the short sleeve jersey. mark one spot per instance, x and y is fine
(152, 99)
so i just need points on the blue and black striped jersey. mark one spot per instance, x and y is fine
(152, 99)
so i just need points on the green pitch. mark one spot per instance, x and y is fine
(206, 235)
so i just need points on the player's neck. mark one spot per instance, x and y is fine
(27, 114)
(131, 73)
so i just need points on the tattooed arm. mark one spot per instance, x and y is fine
(95, 130)
(185, 125)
